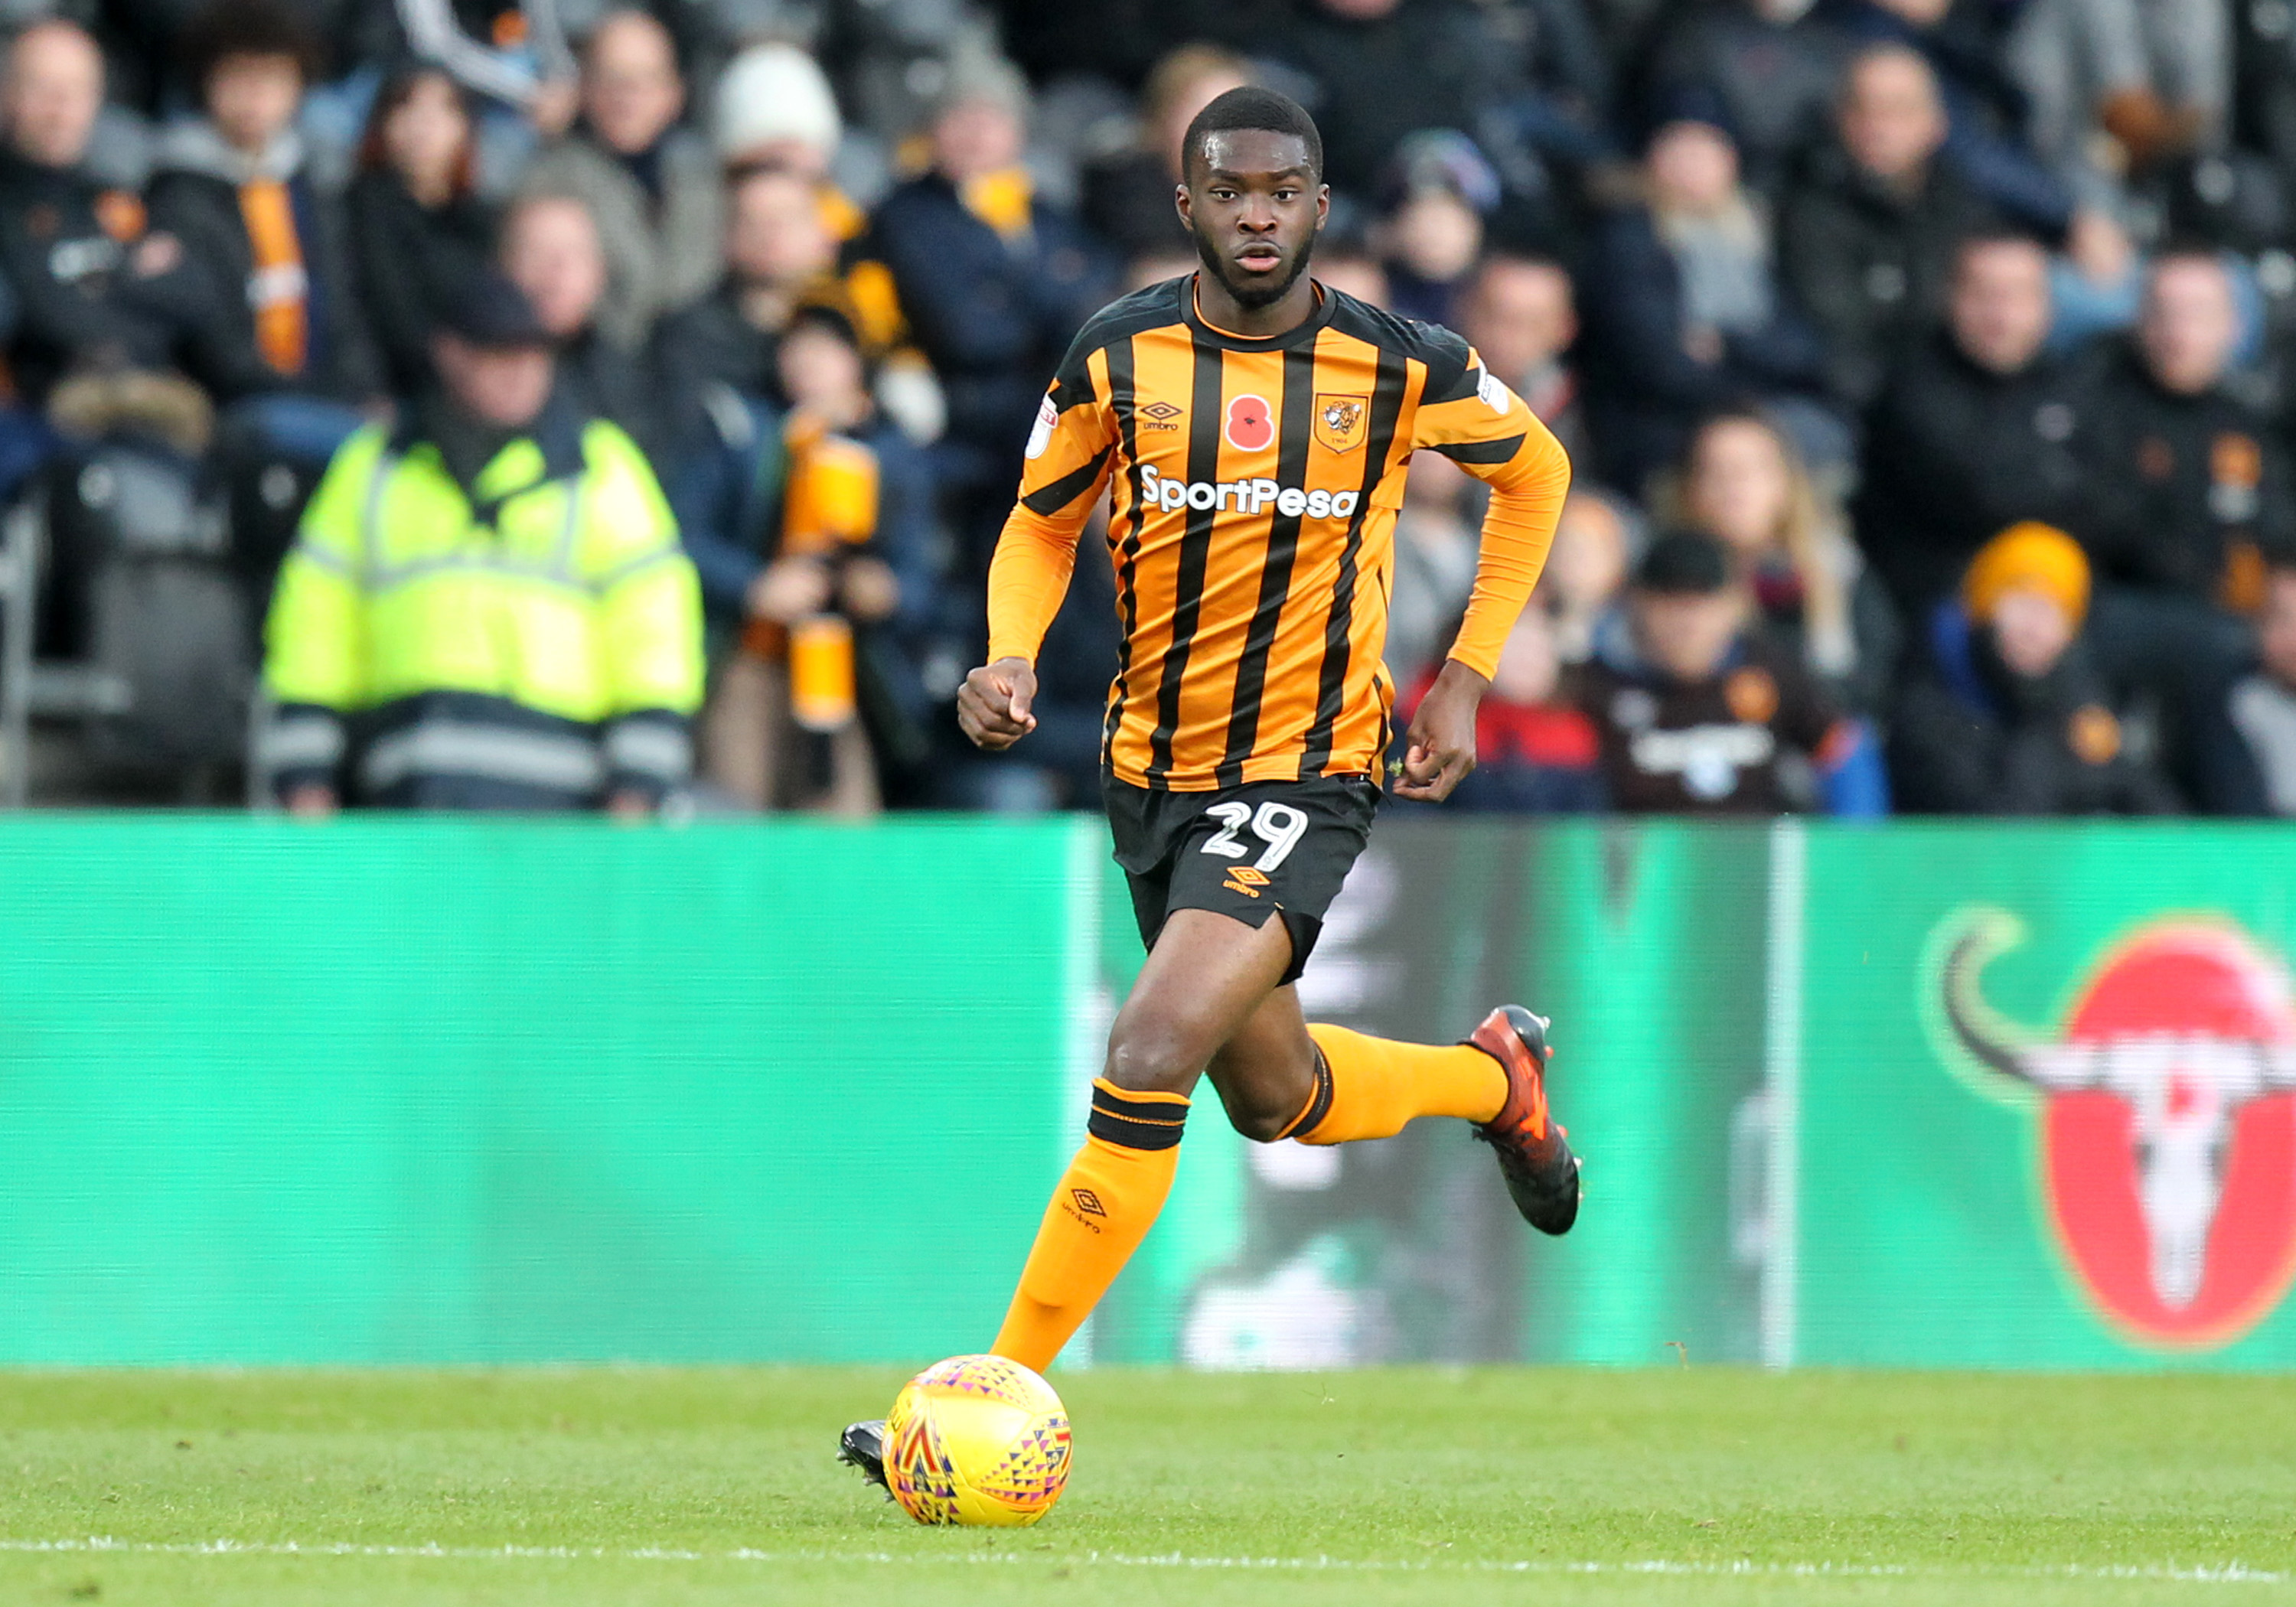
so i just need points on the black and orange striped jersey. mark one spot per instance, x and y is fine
(1255, 484)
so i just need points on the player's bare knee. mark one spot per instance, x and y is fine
(1149, 1055)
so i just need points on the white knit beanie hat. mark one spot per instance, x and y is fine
(771, 93)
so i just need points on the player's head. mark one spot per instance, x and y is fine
(1252, 192)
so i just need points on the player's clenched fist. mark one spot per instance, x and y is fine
(992, 706)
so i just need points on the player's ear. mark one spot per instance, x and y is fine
(1183, 203)
(1322, 206)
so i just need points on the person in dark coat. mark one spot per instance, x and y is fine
(2011, 715)
(1871, 224)
(1686, 307)
(95, 289)
(551, 250)
(1128, 194)
(777, 250)
(2190, 482)
(233, 186)
(419, 231)
(994, 282)
(1975, 432)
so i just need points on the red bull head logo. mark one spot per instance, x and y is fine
(2167, 1113)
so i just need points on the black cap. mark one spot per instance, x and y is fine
(487, 309)
(1684, 563)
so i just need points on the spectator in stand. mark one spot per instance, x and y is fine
(233, 187)
(107, 309)
(1128, 194)
(774, 109)
(2189, 481)
(1686, 307)
(1381, 69)
(653, 186)
(1520, 315)
(1765, 69)
(1534, 752)
(777, 253)
(994, 280)
(1439, 189)
(419, 231)
(1975, 432)
(1870, 227)
(2260, 711)
(810, 535)
(2154, 76)
(1985, 106)
(1345, 268)
(552, 251)
(1742, 482)
(1595, 540)
(497, 501)
(2011, 716)
(1698, 716)
(1434, 566)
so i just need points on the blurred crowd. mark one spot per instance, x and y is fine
(577, 404)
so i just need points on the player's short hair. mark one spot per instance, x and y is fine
(1261, 109)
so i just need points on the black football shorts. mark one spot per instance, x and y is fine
(1273, 848)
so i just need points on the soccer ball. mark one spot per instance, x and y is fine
(976, 1440)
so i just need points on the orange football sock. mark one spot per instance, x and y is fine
(1107, 1202)
(1370, 1086)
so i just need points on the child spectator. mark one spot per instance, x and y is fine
(1699, 716)
(1743, 482)
(809, 527)
(1535, 753)
(419, 231)
(2010, 717)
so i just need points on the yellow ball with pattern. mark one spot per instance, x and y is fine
(976, 1440)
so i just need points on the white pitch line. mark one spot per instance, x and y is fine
(2228, 1573)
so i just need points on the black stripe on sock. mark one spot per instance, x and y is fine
(1319, 1103)
(1137, 1124)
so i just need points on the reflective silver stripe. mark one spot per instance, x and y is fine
(535, 758)
(558, 569)
(386, 464)
(650, 748)
(318, 557)
(639, 565)
(300, 742)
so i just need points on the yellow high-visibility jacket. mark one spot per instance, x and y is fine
(535, 642)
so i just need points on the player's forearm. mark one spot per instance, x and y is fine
(1027, 580)
(1517, 532)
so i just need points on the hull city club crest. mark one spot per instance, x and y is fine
(1341, 422)
(2165, 1112)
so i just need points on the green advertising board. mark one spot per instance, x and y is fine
(478, 1091)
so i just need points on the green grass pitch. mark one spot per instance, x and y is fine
(700, 1486)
